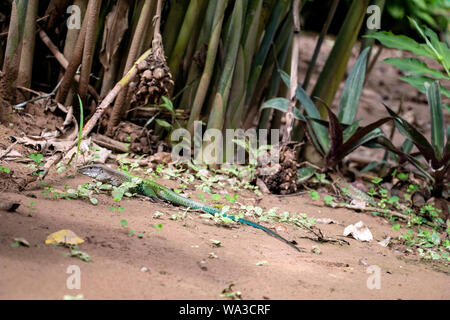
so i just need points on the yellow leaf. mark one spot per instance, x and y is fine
(65, 237)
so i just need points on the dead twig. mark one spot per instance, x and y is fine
(107, 142)
(20, 106)
(8, 150)
(63, 61)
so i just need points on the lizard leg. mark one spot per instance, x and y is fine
(149, 192)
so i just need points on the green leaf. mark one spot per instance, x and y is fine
(415, 136)
(36, 157)
(303, 174)
(94, 201)
(352, 90)
(362, 136)
(336, 134)
(163, 123)
(414, 66)
(124, 222)
(167, 104)
(350, 130)
(5, 170)
(419, 83)
(282, 104)
(314, 195)
(402, 42)
(215, 197)
(437, 122)
(311, 110)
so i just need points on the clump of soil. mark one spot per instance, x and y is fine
(281, 178)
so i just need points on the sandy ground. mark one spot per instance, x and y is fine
(177, 256)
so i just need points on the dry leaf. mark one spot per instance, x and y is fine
(64, 237)
(358, 231)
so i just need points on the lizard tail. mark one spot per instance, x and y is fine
(213, 211)
(270, 232)
(173, 197)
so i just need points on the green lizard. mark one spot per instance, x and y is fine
(150, 188)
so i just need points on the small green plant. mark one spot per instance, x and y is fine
(77, 253)
(5, 170)
(31, 205)
(38, 163)
(314, 195)
(168, 105)
(436, 153)
(341, 135)
(416, 69)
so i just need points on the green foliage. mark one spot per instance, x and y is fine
(436, 153)
(417, 71)
(5, 170)
(341, 135)
(434, 13)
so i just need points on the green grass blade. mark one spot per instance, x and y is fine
(415, 66)
(311, 111)
(415, 136)
(419, 83)
(352, 90)
(216, 118)
(402, 42)
(433, 93)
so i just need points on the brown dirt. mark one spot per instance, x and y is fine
(176, 256)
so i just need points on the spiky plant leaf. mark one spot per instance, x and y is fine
(415, 66)
(352, 90)
(416, 137)
(402, 42)
(433, 93)
(336, 135)
(312, 112)
(419, 83)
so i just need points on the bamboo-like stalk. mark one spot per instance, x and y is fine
(322, 35)
(195, 69)
(29, 38)
(192, 14)
(209, 65)
(89, 46)
(173, 23)
(70, 43)
(282, 92)
(120, 103)
(274, 82)
(123, 83)
(150, 28)
(336, 64)
(192, 43)
(111, 69)
(282, 38)
(216, 118)
(294, 73)
(73, 64)
(243, 65)
(280, 10)
(63, 61)
(13, 51)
